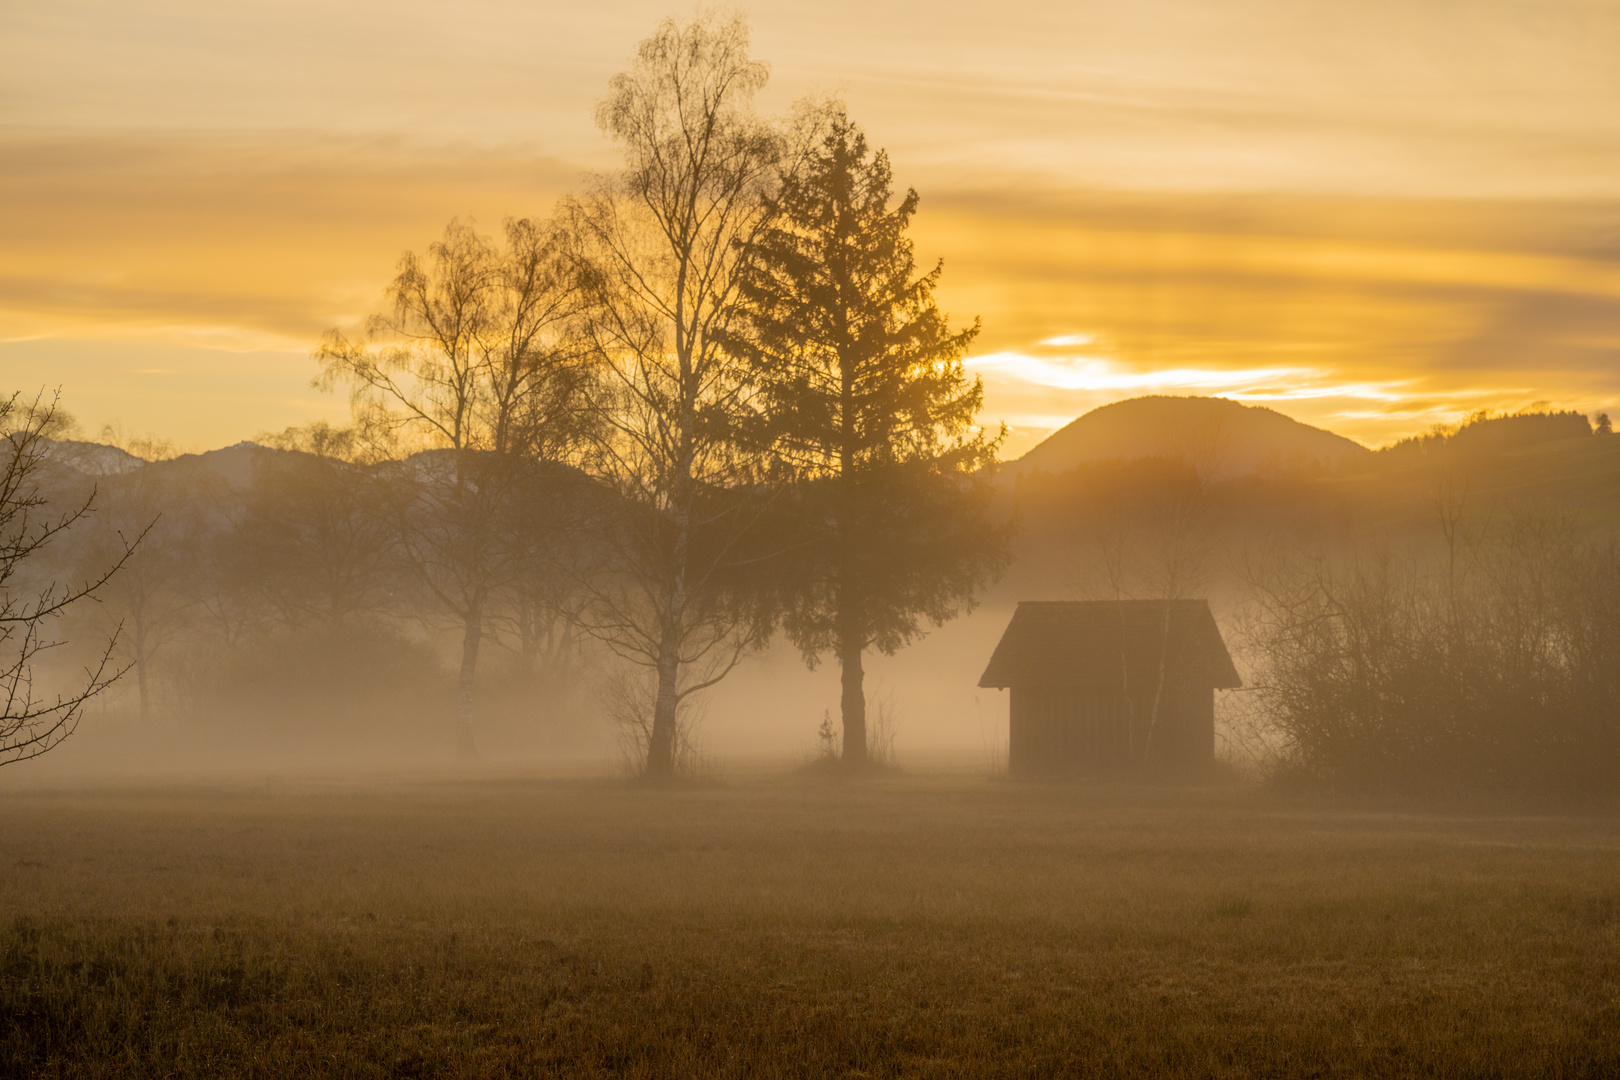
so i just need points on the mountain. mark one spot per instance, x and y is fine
(233, 464)
(1226, 438)
(92, 459)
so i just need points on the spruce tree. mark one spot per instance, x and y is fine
(861, 391)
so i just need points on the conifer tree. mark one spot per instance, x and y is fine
(861, 390)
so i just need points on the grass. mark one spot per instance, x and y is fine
(780, 926)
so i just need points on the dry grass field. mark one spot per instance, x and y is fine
(781, 926)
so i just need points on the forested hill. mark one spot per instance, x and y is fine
(1497, 472)
(1225, 438)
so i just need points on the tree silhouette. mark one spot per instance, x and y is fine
(666, 240)
(32, 604)
(861, 390)
(479, 366)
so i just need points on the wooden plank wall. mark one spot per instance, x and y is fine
(1055, 731)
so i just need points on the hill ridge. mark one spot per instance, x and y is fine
(1227, 437)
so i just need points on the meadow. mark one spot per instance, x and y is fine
(778, 924)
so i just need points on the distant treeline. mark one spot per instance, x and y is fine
(1486, 432)
(272, 585)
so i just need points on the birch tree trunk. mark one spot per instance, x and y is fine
(661, 740)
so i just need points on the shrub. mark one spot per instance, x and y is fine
(1496, 669)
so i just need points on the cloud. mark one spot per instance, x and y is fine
(1338, 310)
(269, 240)
(1373, 316)
(1110, 376)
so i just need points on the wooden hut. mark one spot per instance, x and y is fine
(1105, 686)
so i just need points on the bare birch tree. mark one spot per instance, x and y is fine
(665, 240)
(478, 368)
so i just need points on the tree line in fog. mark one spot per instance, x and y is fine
(711, 397)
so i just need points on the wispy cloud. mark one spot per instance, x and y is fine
(1105, 375)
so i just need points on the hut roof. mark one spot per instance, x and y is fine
(1085, 642)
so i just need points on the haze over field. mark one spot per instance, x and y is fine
(1376, 219)
(1115, 475)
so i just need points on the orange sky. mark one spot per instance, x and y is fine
(1372, 216)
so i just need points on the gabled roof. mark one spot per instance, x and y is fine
(1089, 642)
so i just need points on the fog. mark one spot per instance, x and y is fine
(266, 620)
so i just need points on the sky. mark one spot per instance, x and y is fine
(1374, 217)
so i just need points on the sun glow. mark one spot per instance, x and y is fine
(1041, 387)
(1105, 375)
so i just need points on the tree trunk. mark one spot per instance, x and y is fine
(528, 636)
(851, 620)
(661, 740)
(853, 703)
(465, 747)
(853, 700)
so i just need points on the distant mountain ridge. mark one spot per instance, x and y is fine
(92, 458)
(234, 463)
(1223, 437)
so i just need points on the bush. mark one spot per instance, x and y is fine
(1491, 669)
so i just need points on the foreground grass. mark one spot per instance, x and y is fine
(902, 927)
